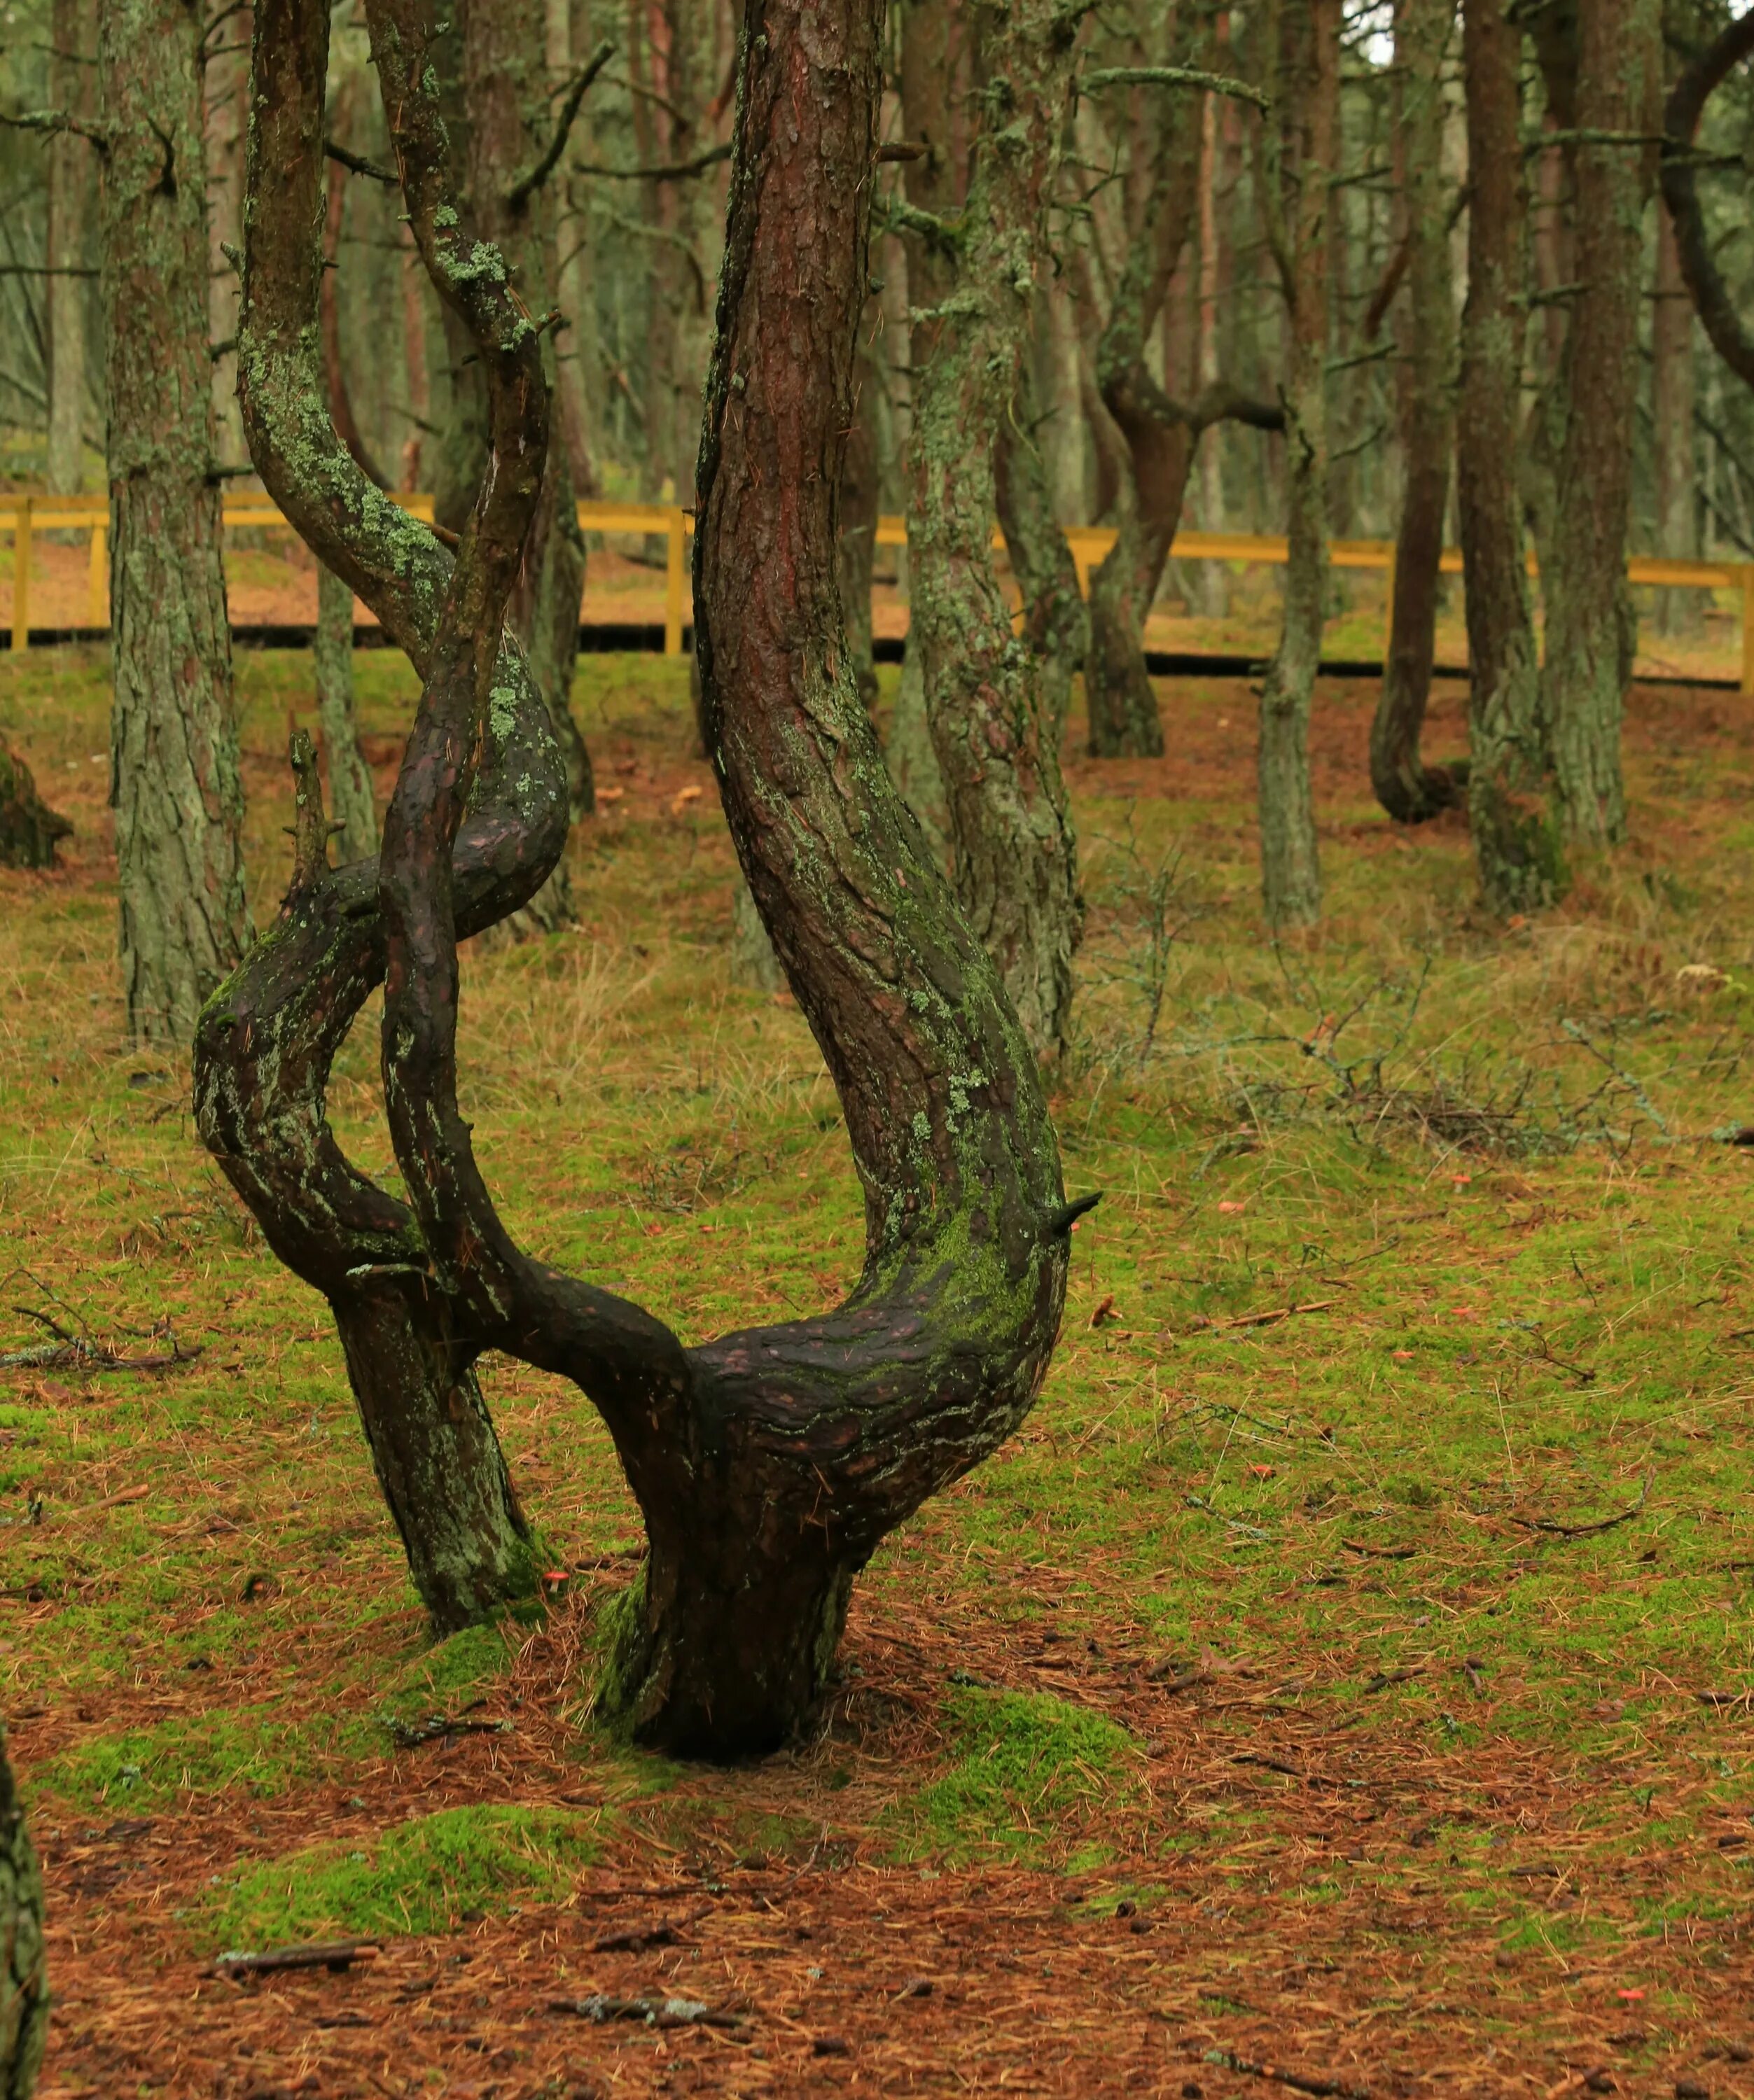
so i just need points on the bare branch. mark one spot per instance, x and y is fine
(526, 186)
(667, 172)
(1698, 266)
(357, 164)
(1215, 83)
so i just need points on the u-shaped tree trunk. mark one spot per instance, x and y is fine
(768, 1463)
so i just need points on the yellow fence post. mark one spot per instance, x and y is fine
(97, 586)
(21, 573)
(673, 586)
(1748, 627)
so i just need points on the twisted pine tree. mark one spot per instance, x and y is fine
(767, 1463)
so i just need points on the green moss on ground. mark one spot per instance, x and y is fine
(424, 1876)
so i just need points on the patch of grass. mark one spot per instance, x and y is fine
(254, 1752)
(444, 1677)
(422, 1877)
(1029, 1769)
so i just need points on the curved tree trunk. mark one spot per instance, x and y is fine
(174, 779)
(351, 797)
(1056, 619)
(1590, 628)
(1408, 789)
(1291, 882)
(1010, 824)
(23, 1976)
(29, 829)
(768, 1464)
(1516, 847)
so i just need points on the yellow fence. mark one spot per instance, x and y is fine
(1090, 543)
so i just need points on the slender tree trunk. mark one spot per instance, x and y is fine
(225, 92)
(1056, 621)
(350, 800)
(1516, 846)
(912, 763)
(1291, 882)
(505, 86)
(23, 1980)
(1592, 630)
(334, 364)
(71, 177)
(1679, 612)
(1408, 789)
(414, 336)
(175, 778)
(1016, 856)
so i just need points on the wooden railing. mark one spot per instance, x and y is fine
(33, 514)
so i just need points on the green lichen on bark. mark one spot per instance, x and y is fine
(175, 778)
(992, 723)
(1515, 841)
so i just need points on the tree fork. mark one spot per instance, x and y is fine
(769, 1463)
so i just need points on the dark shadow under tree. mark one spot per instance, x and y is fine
(768, 1463)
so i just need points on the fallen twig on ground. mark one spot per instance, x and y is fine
(1299, 2081)
(337, 1956)
(1585, 1530)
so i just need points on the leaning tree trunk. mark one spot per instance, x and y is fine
(1011, 822)
(1592, 630)
(174, 779)
(1679, 611)
(24, 1975)
(1291, 882)
(768, 1464)
(1407, 788)
(1056, 619)
(1515, 842)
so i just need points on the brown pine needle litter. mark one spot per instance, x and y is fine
(1339, 1685)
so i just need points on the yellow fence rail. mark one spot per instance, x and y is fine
(33, 514)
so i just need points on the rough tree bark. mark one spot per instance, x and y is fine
(1010, 822)
(1515, 843)
(1056, 619)
(511, 123)
(29, 829)
(860, 502)
(1591, 629)
(1407, 788)
(24, 1968)
(769, 1463)
(74, 31)
(174, 779)
(1308, 142)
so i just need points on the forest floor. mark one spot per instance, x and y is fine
(1343, 1679)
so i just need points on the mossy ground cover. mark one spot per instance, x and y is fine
(1347, 1663)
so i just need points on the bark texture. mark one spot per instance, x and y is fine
(1515, 843)
(1010, 824)
(769, 1463)
(1671, 397)
(175, 778)
(1308, 147)
(860, 503)
(71, 181)
(1591, 629)
(1407, 787)
(29, 829)
(351, 797)
(23, 1966)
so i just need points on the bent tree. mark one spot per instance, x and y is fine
(767, 1463)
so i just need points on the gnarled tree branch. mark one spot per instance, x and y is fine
(1698, 81)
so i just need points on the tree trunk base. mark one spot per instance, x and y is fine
(1124, 716)
(29, 829)
(704, 1662)
(23, 1976)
